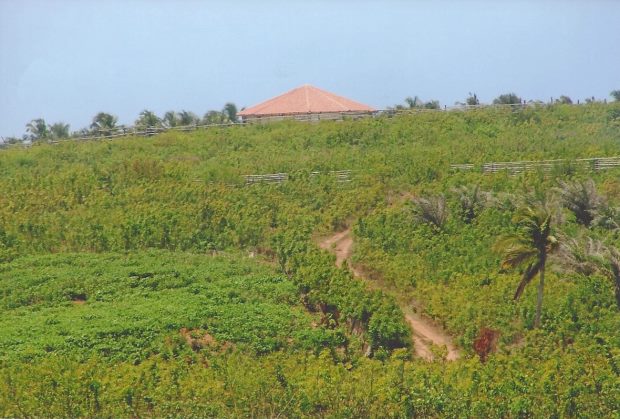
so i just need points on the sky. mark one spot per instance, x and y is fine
(67, 60)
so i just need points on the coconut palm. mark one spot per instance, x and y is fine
(507, 99)
(582, 199)
(230, 110)
(103, 123)
(215, 118)
(530, 246)
(59, 130)
(590, 256)
(472, 100)
(148, 119)
(413, 102)
(188, 118)
(170, 119)
(37, 128)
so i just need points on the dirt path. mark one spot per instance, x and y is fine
(424, 332)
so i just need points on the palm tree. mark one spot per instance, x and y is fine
(188, 118)
(37, 129)
(507, 99)
(413, 102)
(230, 110)
(103, 123)
(472, 100)
(582, 199)
(530, 247)
(59, 130)
(148, 119)
(432, 210)
(215, 118)
(590, 257)
(170, 119)
(471, 201)
(564, 100)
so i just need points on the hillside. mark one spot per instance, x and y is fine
(144, 277)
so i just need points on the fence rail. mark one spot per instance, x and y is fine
(123, 131)
(515, 167)
(340, 175)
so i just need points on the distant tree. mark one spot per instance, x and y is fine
(103, 123)
(230, 110)
(59, 130)
(170, 119)
(148, 119)
(37, 130)
(472, 100)
(565, 100)
(530, 246)
(615, 94)
(413, 102)
(215, 118)
(432, 104)
(507, 99)
(188, 118)
(591, 100)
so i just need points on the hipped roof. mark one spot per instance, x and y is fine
(305, 99)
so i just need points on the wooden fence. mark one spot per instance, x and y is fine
(123, 131)
(340, 175)
(515, 167)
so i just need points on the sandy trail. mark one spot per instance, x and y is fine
(425, 333)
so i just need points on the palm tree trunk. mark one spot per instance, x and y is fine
(539, 300)
(617, 290)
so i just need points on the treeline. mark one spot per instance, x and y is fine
(104, 124)
(503, 99)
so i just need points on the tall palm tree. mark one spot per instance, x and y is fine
(230, 110)
(530, 246)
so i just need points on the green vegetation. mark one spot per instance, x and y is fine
(127, 286)
(122, 306)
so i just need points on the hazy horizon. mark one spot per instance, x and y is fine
(67, 60)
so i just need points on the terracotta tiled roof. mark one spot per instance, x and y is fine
(305, 99)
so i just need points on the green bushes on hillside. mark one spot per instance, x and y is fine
(126, 226)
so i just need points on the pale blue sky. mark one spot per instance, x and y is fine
(67, 60)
